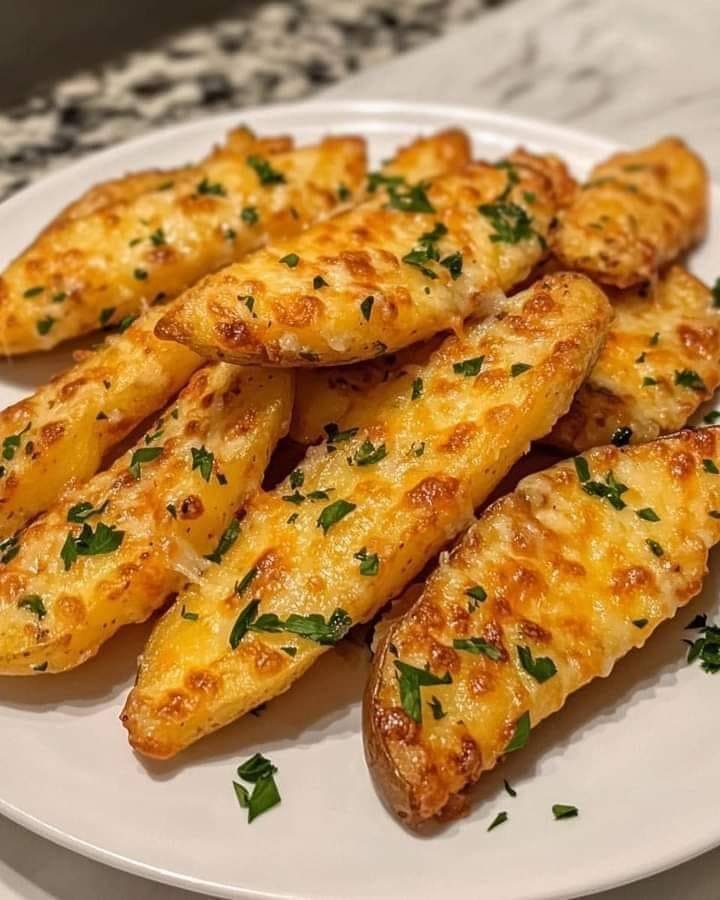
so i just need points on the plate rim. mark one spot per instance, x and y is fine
(295, 111)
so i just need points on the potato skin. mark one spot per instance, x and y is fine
(68, 425)
(101, 259)
(657, 332)
(638, 211)
(237, 415)
(359, 257)
(567, 575)
(443, 454)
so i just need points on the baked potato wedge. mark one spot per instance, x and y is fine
(110, 551)
(660, 362)
(553, 584)
(94, 267)
(434, 154)
(363, 513)
(412, 260)
(638, 211)
(62, 432)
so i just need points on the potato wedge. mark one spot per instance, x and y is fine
(660, 362)
(62, 432)
(434, 154)
(638, 211)
(409, 262)
(110, 551)
(551, 586)
(95, 267)
(363, 514)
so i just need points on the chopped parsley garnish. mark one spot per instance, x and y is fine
(562, 811)
(202, 459)
(417, 389)
(639, 623)
(315, 628)
(334, 436)
(611, 490)
(171, 509)
(40, 667)
(296, 497)
(140, 274)
(508, 787)
(699, 621)
(9, 549)
(710, 467)
(227, 539)
(655, 548)
(716, 292)
(648, 381)
(369, 562)
(34, 291)
(541, 668)
(378, 179)
(297, 477)
(582, 468)
(158, 238)
(654, 340)
(319, 282)
(518, 369)
(291, 651)
(707, 647)
(105, 539)
(125, 323)
(366, 308)
(59, 297)
(712, 417)
(344, 193)
(641, 358)
(477, 595)
(437, 711)
(469, 367)
(290, 260)
(621, 436)
(44, 325)
(367, 454)
(689, 378)
(714, 513)
(511, 222)
(106, 314)
(512, 177)
(410, 680)
(190, 616)
(211, 187)
(34, 603)
(82, 511)
(11, 443)
(265, 171)
(454, 264)
(426, 250)
(417, 449)
(520, 734)
(478, 645)
(499, 819)
(409, 198)
(141, 456)
(250, 215)
(648, 514)
(259, 772)
(333, 513)
(243, 621)
(245, 582)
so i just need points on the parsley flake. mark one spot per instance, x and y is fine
(141, 456)
(410, 680)
(203, 460)
(542, 668)
(469, 367)
(265, 171)
(478, 645)
(333, 513)
(227, 539)
(369, 562)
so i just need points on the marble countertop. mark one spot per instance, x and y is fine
(627, 69)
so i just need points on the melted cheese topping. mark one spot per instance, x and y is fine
(568, 576)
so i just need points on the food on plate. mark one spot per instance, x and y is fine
(110, 551)
(426, 156)
(413, 259)
(363, 513)
(97, 264)
(63, 431)
(638, 211)
(660, 362)
(551, 586)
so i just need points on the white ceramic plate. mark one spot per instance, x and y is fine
(636, 752)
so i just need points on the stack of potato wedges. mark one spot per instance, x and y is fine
(405, 336)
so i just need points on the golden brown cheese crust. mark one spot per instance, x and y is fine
(413, 475)
(425, 157)
(171, 513)
(368, 281)
(661, 361)
(568, 576)
(62, 432)
(638, 211)
(102, 260)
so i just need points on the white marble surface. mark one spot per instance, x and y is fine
(627, 69)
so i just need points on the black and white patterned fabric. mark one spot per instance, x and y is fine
(280, 51)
